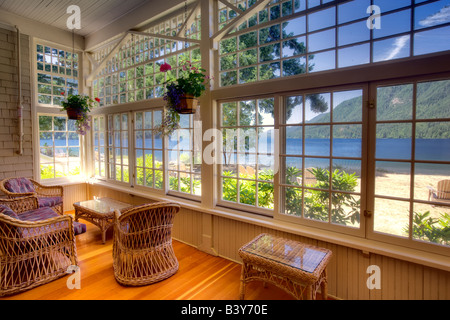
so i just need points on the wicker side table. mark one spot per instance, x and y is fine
(295, 267)
(99, 212)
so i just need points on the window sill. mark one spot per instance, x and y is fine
(365, 245)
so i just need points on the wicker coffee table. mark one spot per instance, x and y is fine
(297, 268)
(99, 212)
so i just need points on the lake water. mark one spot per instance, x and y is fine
(386, 149)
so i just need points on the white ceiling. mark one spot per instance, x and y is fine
(95, 14)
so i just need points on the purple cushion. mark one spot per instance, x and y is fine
(38, 214)
(19, 185)
(79, 228)
(47, 213)
(49, 201)
(8, 211)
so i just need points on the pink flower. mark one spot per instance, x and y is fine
(165, 67)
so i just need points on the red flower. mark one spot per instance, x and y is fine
(98, 100)
(165, 67)
(63, 93)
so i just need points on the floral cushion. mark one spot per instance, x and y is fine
(19, 185)
(8, 211)
(49, 201)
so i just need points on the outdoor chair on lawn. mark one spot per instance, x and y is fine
(142, 247)
(441, 193)
(34, 250)
(48, 196)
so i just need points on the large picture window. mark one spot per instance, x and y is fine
(298, 37)
(248, 153)
(59, 146)
(57, 74)
(149, 150)
(322, 156)
(412, 166)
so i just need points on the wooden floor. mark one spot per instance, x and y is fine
(200, 277)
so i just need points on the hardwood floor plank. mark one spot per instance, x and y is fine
(200, 277)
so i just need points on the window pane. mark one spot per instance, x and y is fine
(354, 55)
(347, 141)
(395, 102)
(432, 100)
(431, 14)
(432, 141)
(394, 23)
(391, 217)
(394, 141)
(321, 40)
(322, 19)
(347, 106)
(352, 33)
(393, 179)
(392, 48)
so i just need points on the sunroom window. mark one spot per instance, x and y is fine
(59, 146)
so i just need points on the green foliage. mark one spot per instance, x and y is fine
(431, 229)
(345, 208)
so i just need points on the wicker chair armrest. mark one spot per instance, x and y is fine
(57, 230)
(21, 204)
(47, 191)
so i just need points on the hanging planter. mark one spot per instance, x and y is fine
(74, 114)
(77, 108)
(188, 104)
(181, 94)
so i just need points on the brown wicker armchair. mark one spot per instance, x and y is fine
(142, 247)
(48, 196)
(35, 252)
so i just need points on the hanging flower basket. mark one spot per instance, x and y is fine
(188, 104)
(74, 114)
(77, 108)
(181, 94)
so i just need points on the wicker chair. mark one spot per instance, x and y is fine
(142, 247)
(48, 196)
(33, 253)
(441, 193)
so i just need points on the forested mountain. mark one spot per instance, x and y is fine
(393, 103)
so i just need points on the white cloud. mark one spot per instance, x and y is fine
(397, 48)
(440, 17)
